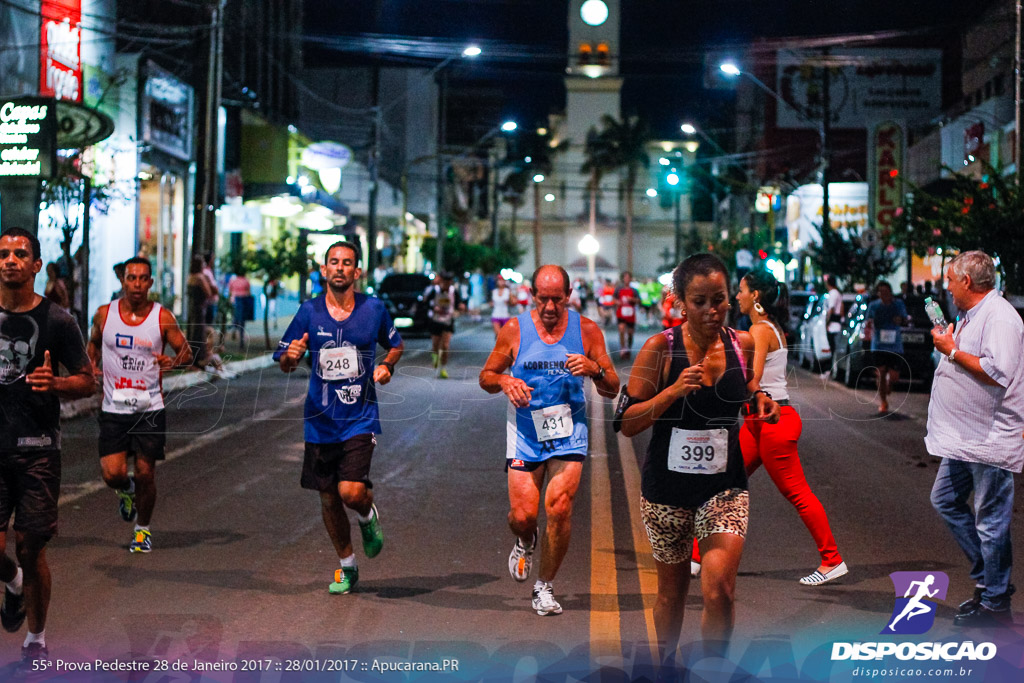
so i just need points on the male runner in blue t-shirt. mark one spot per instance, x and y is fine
(548, 352)
(341, 330)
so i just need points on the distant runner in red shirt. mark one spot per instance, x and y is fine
(626, 300)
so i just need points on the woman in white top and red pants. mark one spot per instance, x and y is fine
(774, 446)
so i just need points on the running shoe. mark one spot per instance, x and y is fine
(126, 502)
(32, 664)
(373, 535)
(12, 612)
(520, 560)
(544, 601)
(143, 542)
(817, 578)
(434, 360)
(694, 568)
(443, 374)
(345, 579)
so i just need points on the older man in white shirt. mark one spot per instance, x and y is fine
(976, 425)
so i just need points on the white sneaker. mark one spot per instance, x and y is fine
(694, 569)
(544, 601)
(816, 578)
(520, 560)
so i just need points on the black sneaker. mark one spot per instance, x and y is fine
(12, 612)
(974, 602)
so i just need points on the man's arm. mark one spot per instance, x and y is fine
(944, 343)
(388, 337)
(172, 335)
(493, 378)
(594, 360)
(94, 349)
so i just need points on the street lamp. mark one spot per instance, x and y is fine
(509, 126)
(471, 51)
(589, 247)
(824, 126)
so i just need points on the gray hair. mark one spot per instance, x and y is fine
(979, 266)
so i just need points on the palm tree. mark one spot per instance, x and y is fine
(513, 192)
(540, 149)
(626, 146)
(599, 160)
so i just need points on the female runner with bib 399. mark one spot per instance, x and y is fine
(689, 383)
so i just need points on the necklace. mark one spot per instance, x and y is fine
(705, 350)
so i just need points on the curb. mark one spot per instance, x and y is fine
(91, 405)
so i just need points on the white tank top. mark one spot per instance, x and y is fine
(499, 301)
(773, 379)
(131, 374)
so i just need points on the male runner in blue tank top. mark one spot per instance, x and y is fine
(550, 350)
(341, 330)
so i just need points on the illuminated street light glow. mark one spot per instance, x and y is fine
(651, 192)
(539, 178)
(730, 69)
(672, 179)
(549, 197)
(688, 128)
(594, 12)
(663, 161)
(472, 51)
(509, 126)
(589, 246)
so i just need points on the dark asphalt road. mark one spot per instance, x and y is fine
(241, 561)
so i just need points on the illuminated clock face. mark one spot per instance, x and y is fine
(594, 12)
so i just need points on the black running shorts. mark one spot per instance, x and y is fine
(437, 329)
(29, 489)
(140, 434)
(326, 464)
(532, 465)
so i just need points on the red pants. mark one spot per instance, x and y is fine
(774, 446)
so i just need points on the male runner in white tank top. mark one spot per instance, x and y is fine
(128, 343)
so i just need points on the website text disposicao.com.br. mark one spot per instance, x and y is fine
(910, 672)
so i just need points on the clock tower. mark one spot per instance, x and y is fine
(592, 80)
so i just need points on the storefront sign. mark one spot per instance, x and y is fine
(166, 112)
(866, 85)
(79, 126)
(61, 46)
(28, 146)
(888, 167)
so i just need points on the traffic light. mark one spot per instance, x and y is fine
(671, 181)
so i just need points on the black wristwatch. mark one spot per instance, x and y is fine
(600, 375)
(389, 366)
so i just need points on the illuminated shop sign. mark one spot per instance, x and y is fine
(28, 145)
(166, 113)
(61, 46)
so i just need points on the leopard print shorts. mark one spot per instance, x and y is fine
(671, 529)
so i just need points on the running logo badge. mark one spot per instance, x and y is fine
(916, 597)
(124, 341)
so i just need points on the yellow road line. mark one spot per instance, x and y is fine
(605, 622)
(645, 568)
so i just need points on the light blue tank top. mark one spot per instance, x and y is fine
(543, 367)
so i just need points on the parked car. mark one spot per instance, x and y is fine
(813, 350)
(402, 293)
(798, 299)
(851, 364)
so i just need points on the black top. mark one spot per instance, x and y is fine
(714, 407)
(30, 420)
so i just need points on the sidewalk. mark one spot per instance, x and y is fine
(253, 356)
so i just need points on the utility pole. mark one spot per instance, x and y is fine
(371, 219)
(492, 156)
(1018, 98)
(442, 134)
(204, 240)
(826, 141)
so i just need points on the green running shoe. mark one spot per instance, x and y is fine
(126, 504)
(373, 535)
(345, 579)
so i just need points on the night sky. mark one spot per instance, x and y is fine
(664, 43)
